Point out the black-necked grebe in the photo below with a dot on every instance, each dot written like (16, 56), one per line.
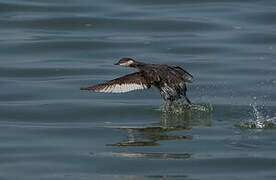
(170, 81)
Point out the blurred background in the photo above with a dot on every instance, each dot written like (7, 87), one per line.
(52, 130)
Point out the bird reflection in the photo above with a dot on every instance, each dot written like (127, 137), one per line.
(150, 136)
(169, 121)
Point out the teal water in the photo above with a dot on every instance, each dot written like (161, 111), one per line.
(52, 130)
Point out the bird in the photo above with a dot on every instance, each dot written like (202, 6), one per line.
(168, 80)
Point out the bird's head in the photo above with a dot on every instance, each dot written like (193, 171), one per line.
(128, 62)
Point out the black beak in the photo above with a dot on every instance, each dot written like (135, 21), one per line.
(117, 63)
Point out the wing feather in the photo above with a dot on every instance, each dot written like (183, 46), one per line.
(130, 82)
(185, 75)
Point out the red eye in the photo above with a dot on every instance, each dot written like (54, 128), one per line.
(120, 61)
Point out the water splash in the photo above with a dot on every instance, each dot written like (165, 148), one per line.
(259, 120)
(182, 116)
(181, 108)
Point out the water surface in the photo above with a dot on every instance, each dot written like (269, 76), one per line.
(52, 130)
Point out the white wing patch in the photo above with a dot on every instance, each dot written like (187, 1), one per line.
(121, 88)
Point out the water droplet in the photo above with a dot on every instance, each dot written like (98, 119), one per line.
(261, 58)
(237, 27)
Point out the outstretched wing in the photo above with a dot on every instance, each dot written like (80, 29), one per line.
(130, 82)
(185, 75)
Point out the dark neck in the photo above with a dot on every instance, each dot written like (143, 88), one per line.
(137, 64)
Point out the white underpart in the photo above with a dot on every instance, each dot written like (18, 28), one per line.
(126, 63)
(121, 88)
